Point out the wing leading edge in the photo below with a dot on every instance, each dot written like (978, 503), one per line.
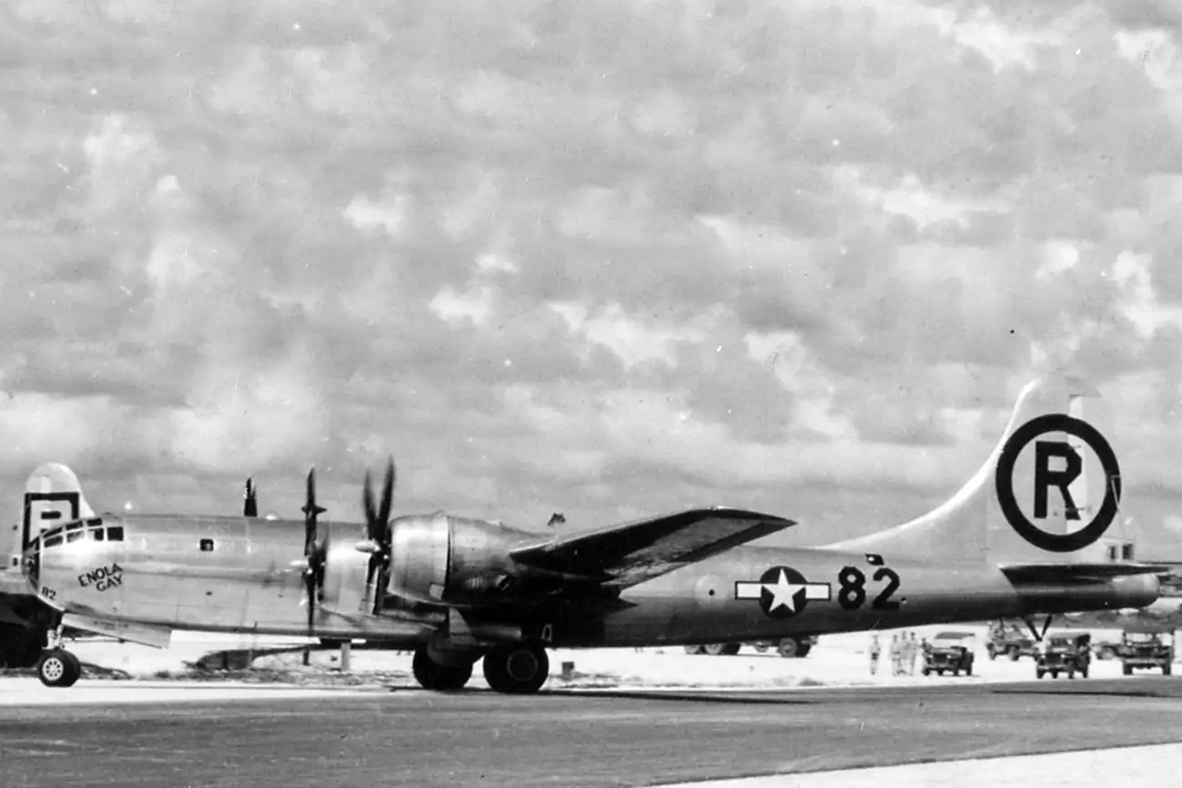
(623, 555)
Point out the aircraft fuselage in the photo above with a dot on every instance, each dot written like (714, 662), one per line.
(237, 574)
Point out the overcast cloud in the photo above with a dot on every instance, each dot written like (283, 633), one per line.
(608, 258)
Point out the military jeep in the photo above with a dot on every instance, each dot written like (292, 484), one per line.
(949, 651)
(1068, 654)
(1147, 650)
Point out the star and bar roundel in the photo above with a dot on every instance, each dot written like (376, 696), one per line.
(782, 592)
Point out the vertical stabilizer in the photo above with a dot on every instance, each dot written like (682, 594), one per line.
(52, 495)
(1048, 492)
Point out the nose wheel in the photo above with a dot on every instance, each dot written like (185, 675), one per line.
(517, 670)
(58, 668)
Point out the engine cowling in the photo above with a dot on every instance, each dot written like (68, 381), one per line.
(420, 553)
(454, 560)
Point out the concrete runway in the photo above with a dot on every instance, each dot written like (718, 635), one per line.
(568, 738)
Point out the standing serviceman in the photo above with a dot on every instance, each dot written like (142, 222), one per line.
(874, 651)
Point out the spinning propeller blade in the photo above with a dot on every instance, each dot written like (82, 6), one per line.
(377, 527)
(315, 552)
(250, 506)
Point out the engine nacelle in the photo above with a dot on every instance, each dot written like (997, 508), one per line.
(455, 560)
(420, 554)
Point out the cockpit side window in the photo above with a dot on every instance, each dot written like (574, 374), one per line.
(51, 540)
(115, 533)
(97, 534)
(74, 536)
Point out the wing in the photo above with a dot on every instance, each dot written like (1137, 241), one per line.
(1030, 574)
(623, 555)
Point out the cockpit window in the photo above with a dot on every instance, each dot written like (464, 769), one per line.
(74, 536)
(115, 533)
(97, 534)
(51, 540)
(74, 525)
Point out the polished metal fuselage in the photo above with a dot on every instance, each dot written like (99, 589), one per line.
(238, 574)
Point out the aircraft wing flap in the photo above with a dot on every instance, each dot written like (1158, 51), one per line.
(1030, 574)
(629, 553)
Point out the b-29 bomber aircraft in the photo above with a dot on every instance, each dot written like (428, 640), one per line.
(1020, 538)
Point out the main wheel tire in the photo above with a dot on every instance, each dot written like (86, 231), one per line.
(788, 647)
(1128, 670)
(442, 678)
(694, 650)
(58, 668)
(730, 649)
(715, 649)
(803, 650)
(517, 670)
(1014, 653)
(1166, 669)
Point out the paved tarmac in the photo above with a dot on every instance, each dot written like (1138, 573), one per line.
(417, 738)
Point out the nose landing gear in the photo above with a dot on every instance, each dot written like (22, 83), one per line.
(57, 667)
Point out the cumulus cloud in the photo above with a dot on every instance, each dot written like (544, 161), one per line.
(617, 256)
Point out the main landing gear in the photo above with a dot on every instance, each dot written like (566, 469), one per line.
(520, 669)
(517, 669)
(433, 675)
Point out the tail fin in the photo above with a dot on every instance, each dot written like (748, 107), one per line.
(52, 496)
(1048, 492)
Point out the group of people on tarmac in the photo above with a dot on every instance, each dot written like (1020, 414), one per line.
(903, 651)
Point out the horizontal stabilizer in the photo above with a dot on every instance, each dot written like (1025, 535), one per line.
(1066, 574)
(629, 553)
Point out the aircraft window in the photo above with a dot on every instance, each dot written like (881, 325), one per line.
(207, 545)
(115, 533)
(95, 521)
(1126, 552)
(51, 541)
(74, 526)
(74, 536)
(57, 529)
(97, 534)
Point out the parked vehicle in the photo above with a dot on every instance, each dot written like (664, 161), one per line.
(949, 651)
(1011, 642)
(1147, 650)
(796, 646)
(1064, 653)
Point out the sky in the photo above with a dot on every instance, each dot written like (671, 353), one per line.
(608, 259)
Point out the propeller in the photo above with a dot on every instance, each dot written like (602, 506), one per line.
(250, 507)
(378, 531)
(314, 553)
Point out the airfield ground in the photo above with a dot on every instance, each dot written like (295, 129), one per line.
(624, 718)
